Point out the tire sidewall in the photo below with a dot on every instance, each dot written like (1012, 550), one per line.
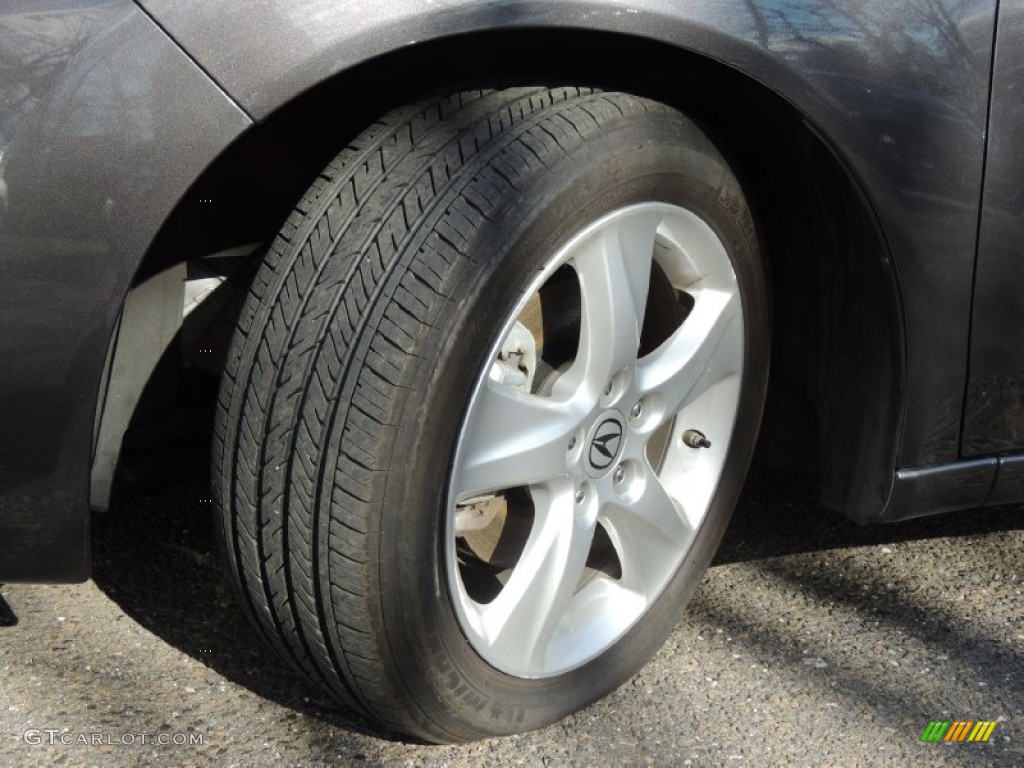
(437, 669)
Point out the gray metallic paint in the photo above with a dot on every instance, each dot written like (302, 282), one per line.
(899, 89)
(994, 411)
(104, 123)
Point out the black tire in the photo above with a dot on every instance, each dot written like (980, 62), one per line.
(361, 339)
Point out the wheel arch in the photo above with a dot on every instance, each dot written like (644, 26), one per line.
(839, 333)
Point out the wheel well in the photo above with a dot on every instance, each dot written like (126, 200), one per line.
(835, 401)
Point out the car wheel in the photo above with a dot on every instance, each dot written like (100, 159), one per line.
(489, 406)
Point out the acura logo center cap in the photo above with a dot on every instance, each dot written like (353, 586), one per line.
(604, 443)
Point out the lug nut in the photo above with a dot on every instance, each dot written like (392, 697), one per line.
(638, 409)
(608, 388)
(695, 439)
(581, 496)
(620, 475)
(572, 443)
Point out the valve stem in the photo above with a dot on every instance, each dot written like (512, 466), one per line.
(695, 439)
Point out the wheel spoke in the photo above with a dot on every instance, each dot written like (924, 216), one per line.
(512, 438)
(649, 535)
(614, 268)
(543, 612)
(521, 620)
(694, 357)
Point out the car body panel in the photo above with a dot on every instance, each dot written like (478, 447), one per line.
(105, 123)
(899, 89)
(994, 410)
(110, 110)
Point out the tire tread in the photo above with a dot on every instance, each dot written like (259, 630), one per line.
(325, 352)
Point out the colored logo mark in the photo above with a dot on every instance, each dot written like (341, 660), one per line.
(959, 730)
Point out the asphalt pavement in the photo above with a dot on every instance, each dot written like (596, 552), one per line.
(811, 642)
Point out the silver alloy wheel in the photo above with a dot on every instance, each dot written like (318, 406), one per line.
(631, 445)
